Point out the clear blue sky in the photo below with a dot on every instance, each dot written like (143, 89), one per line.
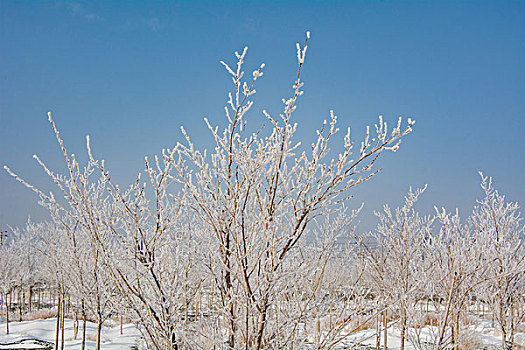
(130, 73)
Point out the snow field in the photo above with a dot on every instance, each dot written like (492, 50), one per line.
(45, 330)
(481, 336)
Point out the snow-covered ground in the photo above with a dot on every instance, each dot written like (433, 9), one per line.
(44, 330)
(482, 336)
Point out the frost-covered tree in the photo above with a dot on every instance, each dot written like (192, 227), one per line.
(500, 232)
(458, 271)
(54, 253)
(137, 244)
(27, 264)
(153, 252)
(258, 194)
(233, 229)
(8, 273)
(344, 301)
(401, 236)
(85, 275)
(375, 256)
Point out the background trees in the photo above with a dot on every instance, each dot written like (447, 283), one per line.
(398, 267)
(7, 274)
(500, 234)
(458, 270)
(430, 274)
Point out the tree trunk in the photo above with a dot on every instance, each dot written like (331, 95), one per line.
(58, 323)
(453, 335)
(30, 297)
(83, 326)
(385, 330)
(20, 304)
(83, 345)
(317, 329)
(6, 316)
(75, 326)
(262, 325)
(62, 316)
(403, 330)
(456, 345)
(99, 330)
(231, 310)
(378, 330)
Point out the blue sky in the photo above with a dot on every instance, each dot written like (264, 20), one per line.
(130, 73)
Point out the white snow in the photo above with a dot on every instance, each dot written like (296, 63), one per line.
(45, 330)
(482, 332)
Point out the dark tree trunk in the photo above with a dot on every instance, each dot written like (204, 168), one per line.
(83, 346)
(6, 316)
(20, 304)
(262, 324)
(99, 330)
(30, 297)
(62, 317)
(403, 329)
(58, 323)
(385, 330)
